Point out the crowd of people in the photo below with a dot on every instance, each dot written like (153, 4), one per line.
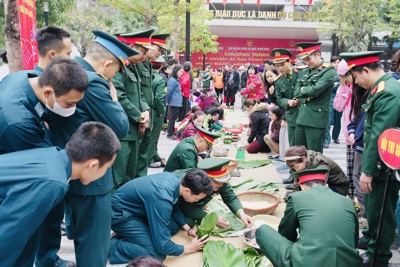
(65, 123)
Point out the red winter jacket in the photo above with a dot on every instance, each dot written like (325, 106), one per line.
(185, 84)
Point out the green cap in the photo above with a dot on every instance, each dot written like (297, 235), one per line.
(160, 40)
(311, 174)
(216, 168)
(280, 55)
(116, 47)
(160, 59)
(361, 58)
(137, 38)
(307, 48)
(207, 135)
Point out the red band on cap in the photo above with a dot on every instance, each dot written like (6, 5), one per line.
(205, 136)
(217, 174)
(158, 41)
(310, 49)
(362, 61)
(134, 40)
(281, 57)
(158, 64)
(310, 177)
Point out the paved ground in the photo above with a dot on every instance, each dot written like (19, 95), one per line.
(336, 152)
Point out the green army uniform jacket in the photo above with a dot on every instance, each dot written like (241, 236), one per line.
(184, 156)
(382, 110)
(285, 91)
(146, 78)
(131, 99)
(195, 210)
(313, 89)
(336, 177)
(158, 91)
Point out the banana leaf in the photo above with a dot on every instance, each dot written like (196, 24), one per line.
(215, 205)
(236, 183)
(234, 224)
(255, 259)
(207, 224)
(250, 164)
(221, 254)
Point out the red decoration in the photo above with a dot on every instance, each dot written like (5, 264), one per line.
(27, 24)
(309, 2)
(293, 2)
(389, 148)
(239, 51)
(258, 3)
(241, 2)
(224, 2)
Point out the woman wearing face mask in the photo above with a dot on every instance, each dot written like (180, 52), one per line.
(196, 120)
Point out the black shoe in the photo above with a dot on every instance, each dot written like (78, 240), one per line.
(336, 141)
(361, 244)
(172, 137)
(289, 187)
(367, 261)
(288, 180)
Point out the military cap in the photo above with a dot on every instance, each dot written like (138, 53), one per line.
(361, 58)
(116, 47)
(137, 38)
(307, 48)
(158, 62)
(311, 174)
(160, 40)
(207, 135)
(280, 55)
(216, 168)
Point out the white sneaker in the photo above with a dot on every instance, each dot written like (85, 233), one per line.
(362, 223)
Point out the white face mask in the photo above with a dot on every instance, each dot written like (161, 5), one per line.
(64, 112)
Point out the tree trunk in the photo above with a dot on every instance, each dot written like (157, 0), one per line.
(176, 27)
(12, 35)
(147, 16)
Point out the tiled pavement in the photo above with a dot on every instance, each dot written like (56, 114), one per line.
(337, 152)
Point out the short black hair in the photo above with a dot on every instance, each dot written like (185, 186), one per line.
(187, 66)
(269, 62)
(334, 58)
(64, 75)
(373, 66)
(50, 38)
(173, 61)
(211, 110)
(277, 111)
(175, 71)
(251, 66)
(198, 182)
(93, 140)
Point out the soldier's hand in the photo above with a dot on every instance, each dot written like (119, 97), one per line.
(113, 91)
(247, 220)
(365, 183)
(145, 115)
(222, 222)
(195, 245)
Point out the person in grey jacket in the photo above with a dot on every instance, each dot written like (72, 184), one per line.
(174, 99)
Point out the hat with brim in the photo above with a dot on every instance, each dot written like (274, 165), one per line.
(137, 38)
(158, 62)
(120, 50)
(160, 40)
(216, 168)
(280, 55)
(361, 58)
(311, 174)
(307, 49)
(207, 135)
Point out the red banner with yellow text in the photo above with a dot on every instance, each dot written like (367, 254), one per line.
(27, 24)
(239, 51)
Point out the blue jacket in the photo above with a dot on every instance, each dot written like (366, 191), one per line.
(174, 93)
(96, 105)
(154, 199)
(356, 127)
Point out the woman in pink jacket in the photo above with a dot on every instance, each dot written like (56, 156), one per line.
(255, 86)
(342, 103)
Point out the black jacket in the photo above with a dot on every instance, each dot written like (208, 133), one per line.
(259, 123)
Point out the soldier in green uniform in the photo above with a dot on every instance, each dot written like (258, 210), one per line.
(313, 90)
(284, 87)
(185, 155)
(382, 112)
(217, 170)
(90, 205)
(158, 87)
(158, 43)
(131, 98)
(328, 236)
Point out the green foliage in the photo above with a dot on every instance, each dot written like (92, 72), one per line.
(56, 10)
(353, 21)
(207, 224)
(221, 254)
(234, 224)
(2, 21)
